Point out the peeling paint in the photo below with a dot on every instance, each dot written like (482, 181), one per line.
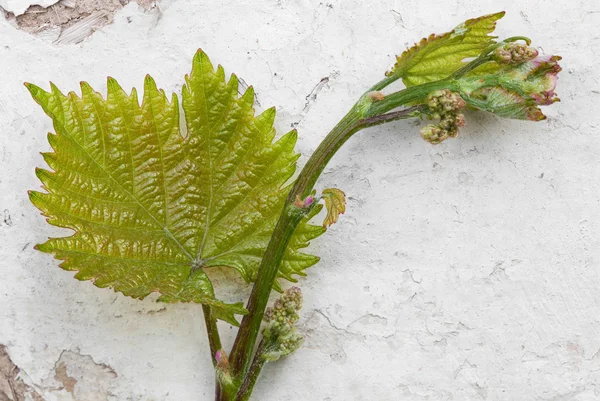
(72, 20)
(62, 376)
(75, 377)
(19, 7)
(82, 377)
(13, 383)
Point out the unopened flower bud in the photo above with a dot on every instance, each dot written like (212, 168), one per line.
(433, 134)
(304, 204)
(445, 101)
(514, 53)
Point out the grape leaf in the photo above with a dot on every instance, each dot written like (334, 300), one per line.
(152, 205)
(335, 202)
(438, 56)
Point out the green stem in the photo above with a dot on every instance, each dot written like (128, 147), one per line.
(355, 120)
(241, 352)
(214, 341)
(247, 386)
(383, 83)
(409, 95)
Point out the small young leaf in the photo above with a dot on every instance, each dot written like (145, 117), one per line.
(515, 91)
(152, 208)
(335, 202)
(438, 56)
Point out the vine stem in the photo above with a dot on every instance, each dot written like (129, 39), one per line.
(370, 110)
(356, 119)
(214, 341)
(283, 232)
(247, 386)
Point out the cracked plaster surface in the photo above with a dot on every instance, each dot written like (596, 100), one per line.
(71, 21)
(464, 271)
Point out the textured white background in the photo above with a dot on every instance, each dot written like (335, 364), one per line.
(464, 271)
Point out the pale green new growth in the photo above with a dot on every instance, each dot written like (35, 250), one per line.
(438, 56)
(152, 207)
(516, 91)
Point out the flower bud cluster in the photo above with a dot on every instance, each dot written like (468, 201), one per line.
(280, 335)
(514, 53)
(285, 344)
(445, 106)
(285, 309)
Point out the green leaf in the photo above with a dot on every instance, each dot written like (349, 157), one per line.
(438, 56)
(153, 207)
(335, 202)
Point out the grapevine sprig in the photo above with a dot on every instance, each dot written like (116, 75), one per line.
(153, 205)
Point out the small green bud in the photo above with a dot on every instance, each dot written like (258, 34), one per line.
(444, 101)
(514, 53)
(433, 134)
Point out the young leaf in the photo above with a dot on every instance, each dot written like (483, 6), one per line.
(335, 202)
(516, 91)
(151, 207)
(436, 57)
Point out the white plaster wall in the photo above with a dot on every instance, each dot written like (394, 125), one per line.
(464, 271)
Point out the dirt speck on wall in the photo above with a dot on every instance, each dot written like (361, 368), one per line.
(74, 19)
